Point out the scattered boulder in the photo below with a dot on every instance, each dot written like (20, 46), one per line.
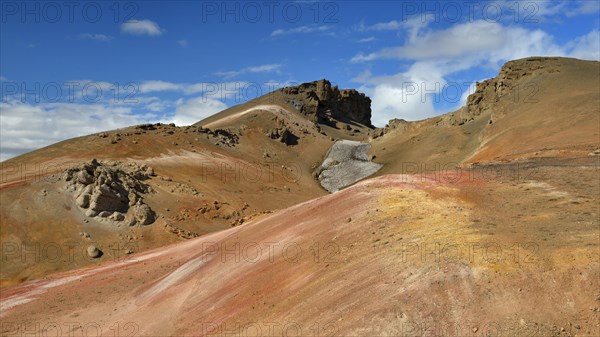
(284, 135)
(94, 252)
(117, 216)
(147, 127)
(182, 233)
(144, 215)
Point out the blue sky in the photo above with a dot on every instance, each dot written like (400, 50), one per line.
(74, 68)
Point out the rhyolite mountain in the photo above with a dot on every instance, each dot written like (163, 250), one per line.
(511, 177)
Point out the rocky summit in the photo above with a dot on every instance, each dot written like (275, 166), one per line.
(321, 102)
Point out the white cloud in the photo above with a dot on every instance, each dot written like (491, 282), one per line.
(381, 26)
(397, 102)
(183, 43)
(478, 37)
(412, 25)
(586, 47)
(154, 86)
(222, 90)
(195, 109)
(363, 77)
(584, 8)
(141, 27)
(403, 95)
(265, 68)
(302, 29)
(154, 104)
(95, 37)
(366, 39)
(542, 9)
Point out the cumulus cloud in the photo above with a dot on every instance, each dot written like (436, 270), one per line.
(183, 43)
(404, 95)
(141, 27)
(480, 38)
(586, 47)
(195, 109)
(154, 86)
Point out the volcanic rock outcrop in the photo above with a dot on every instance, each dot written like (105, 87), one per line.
(346, 163)
(489, 92)
(284, 135)
(322, 103)
(112, 191)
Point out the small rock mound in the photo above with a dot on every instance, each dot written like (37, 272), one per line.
(346, 163)
(111, 191)
(393, 124)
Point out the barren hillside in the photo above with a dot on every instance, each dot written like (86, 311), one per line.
(482, 221)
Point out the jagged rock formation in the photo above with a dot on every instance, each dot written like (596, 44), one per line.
(112, 191)
(322, 103)
(346, 163)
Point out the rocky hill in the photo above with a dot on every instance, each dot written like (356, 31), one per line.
(538, 107)
(490, 212)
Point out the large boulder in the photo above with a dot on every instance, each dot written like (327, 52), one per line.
(346, 163)
(144, 214)
(108, 191)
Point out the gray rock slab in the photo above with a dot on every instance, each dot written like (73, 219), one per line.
(346, 162)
